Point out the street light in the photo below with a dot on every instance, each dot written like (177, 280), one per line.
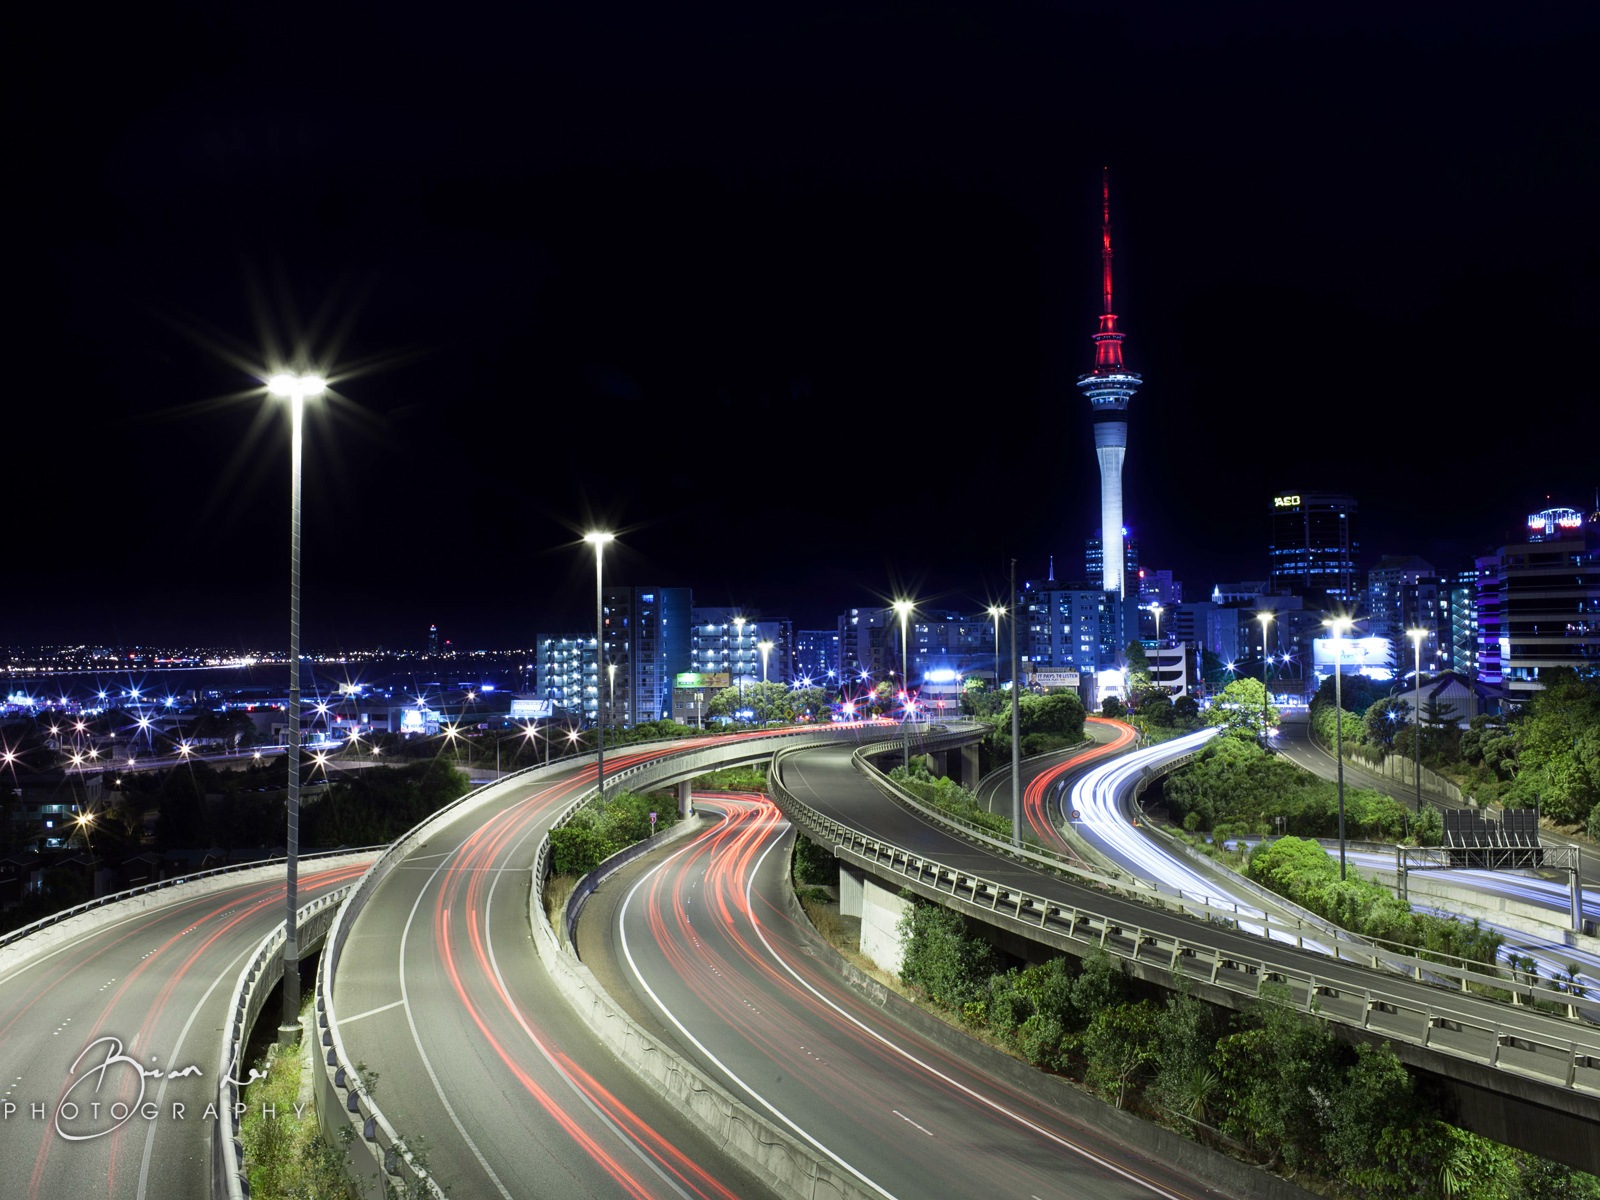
(1339, 625)
(1016, 723)
(526, 731)
(766, 649)
(598, 540)
(738, 645)
(1416, 636)
(1158, 610)
(904, 607)
(1266, 619)
(297, 389)
(996, 611)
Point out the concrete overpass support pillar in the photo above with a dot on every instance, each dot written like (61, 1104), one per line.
(851, 883)
(1577, 889)
(685, 801)
(938, 762)
(969, 765)
(881, 911)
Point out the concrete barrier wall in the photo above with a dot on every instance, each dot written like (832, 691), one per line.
(45, 937)
(777, 1157)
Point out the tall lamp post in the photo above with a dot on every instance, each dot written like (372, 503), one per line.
(527, 731)
(996, 611)
(598, 540)
(1339, 625)
(1416, 636)
(903, 608)
(1158, 610)
(1016, 722)
(296, 389)
(738, 646)
(766, 649)
(1266, 619)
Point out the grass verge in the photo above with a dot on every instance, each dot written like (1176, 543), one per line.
(285, 1155)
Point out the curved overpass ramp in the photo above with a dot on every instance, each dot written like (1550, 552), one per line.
(431, 985)
(141, 983)
(1523, 1077)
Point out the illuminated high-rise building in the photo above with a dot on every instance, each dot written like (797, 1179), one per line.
(1539, 602)
(1314, 546)
(1109, 388)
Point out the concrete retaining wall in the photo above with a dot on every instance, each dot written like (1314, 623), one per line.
(1549, 924)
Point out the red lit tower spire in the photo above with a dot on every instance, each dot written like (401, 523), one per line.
(1107, 342)
(1109, 388)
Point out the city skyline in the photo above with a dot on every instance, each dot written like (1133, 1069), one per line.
(791, 349)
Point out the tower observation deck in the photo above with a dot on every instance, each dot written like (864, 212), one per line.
(1109, 388)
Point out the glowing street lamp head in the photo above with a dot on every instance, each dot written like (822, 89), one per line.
(1265, 618)
(997, 611)
(903, 608)
(296, 387)
(599, 538)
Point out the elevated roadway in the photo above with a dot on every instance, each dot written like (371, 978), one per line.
(707, 946)
(1517, 1063)
(140, 985)
(433, 989)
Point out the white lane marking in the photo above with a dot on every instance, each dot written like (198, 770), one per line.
(229, 971)
(630, 1142)
(416, 1038)
(995, 1105)
(622, 929)
(371, 1012)
(910, 1122)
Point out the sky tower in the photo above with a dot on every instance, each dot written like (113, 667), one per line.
(1109, 387)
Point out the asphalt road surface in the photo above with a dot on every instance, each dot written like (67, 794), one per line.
(703, 940)
(440, 993)
(80, 1022)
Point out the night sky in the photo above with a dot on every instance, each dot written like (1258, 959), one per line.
(793, 297)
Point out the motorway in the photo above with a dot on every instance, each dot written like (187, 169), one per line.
(440, 994)
(1293, 741)
(1044, 778)
(146, 990)
(703, 944)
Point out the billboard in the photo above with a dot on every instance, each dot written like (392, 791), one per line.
(1357, 652)
(1056, 679)
(526, 709)
(699, 679)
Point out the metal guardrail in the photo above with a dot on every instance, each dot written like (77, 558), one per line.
(162, 885)
(389, 1151)
(250, 991)
(1143, 890)
(1305, 931)
(1542, 1049)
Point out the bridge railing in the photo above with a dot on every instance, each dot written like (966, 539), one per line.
(1304, 931)
(260, 974)
(1515, 1039)
(163, 885)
